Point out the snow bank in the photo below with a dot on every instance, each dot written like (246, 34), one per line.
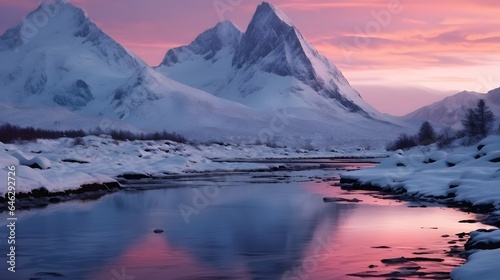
(484, 240)
(35, 162)
(66, 164)
(470, 174)
(480, 265)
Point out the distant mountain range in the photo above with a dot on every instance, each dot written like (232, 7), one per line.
(449, 111)
(267, 83)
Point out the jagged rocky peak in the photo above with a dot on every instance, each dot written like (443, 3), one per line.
(274, 44)
(224, 35)
(267, 32)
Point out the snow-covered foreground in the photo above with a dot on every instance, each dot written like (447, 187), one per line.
(67, 164)
(468, 174)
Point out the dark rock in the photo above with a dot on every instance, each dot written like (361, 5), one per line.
(54, 274)
(75, 161)
(37, 193)
(381, 247)
(420, 259)
(395, 260)
(415, 267)
(416, 259)
(495, 160)
(468, 221)
(35, 166)
(135, 176)
(486, 230)
(454, 251)
(340, 199)
(158, 231)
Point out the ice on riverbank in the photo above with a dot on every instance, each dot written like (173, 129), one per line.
(470, 174)
(67, 164)
(480, 265)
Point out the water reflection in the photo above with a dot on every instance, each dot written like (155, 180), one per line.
(264, 229)
(252, 231)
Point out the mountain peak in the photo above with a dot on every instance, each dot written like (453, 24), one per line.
(227, 32)
(265, 34)
(57, 13)
(226, 25)
(224, 35)
(271, 12)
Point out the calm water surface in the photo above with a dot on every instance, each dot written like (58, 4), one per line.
(243, 226)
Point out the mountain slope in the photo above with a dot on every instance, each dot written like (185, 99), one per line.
(271, 66)
(70, 65)
(75, 76)
(449, 111)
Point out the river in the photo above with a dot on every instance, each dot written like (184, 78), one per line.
(263, 225)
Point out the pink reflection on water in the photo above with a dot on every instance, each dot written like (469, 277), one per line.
(340, 246)
(152, 258)
(382, 223)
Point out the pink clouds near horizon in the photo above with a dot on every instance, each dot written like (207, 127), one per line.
(446, 45)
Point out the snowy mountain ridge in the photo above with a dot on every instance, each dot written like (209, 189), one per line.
(273, 65)
(78, 77)
(73, 65)
(449, 111)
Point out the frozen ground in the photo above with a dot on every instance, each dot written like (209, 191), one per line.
(67, 164)
(470, 175)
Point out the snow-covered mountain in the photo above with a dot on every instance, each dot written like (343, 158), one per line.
(449, 111)
(71, 67)
(270, 65)
(267, 84)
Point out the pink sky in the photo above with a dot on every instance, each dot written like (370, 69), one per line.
(445, 45)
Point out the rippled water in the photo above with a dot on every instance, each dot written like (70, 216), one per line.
(242, 226)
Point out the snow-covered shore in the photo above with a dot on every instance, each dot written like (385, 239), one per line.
(464, 176)
(67, 164)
